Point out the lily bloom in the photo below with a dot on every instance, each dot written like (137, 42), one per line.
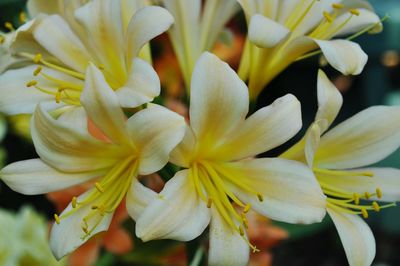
(281, 32)
(71, 155)
(218, 151)
(108, 33)
(336, 156)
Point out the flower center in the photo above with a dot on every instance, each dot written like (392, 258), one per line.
(104, 197)
(343, 199)
(213, 182)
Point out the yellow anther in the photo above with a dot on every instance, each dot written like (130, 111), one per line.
(101, 67)
(364, 213)
(369, 174)
(57, 218)
(246, 223)
(328, 17)
(37, 71)
(95, 207)
(209, 203)
(367, 195)
(73, 202)
(84, 229)
(9, 26)
(379, 192)
(337, 6)
(241, 230)
(355, 12)
(260, 197)
(247, 208)
(37, 58)
(31, 83)
(2, 39)
(376, 206)
(356, 198)
(22, 17)
(58, 96)
(99, 187)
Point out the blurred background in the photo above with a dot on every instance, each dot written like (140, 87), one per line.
(283, 244)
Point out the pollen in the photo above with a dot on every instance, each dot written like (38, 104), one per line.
(209, 203)
(99, 187)
(74, 202)
(376, 206)
(58, 96)
(260, 197)
(337, 6)
(37, 71)
(379, 193)
(2, 39)
(9, 26)
(356, 198)
(57, 218)
(364, 213)
(367, 195)
(247, 208)
(328, 17)
(241, 230)
(22, 17)
(31, 83)
(355, 12)
(101, 67)
(36, 59)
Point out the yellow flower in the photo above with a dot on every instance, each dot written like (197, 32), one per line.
(336, 157)
(280, 32)
(70, 155)
(218, 151)
(108, 33)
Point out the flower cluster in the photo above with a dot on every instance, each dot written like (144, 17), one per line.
(82, 70)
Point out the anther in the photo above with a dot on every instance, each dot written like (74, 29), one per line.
(379, 192)
(9, 26)
(260, 197)
(57, 218)
(101, 67)
(37, 58)
(99, 187)
(328, 16)
(245, 223)
(369, 174)
(37, 71)
(85, 230)
(364, 213)
(367, 195)
(73, 202)
(247, 208)
(337, 6)
(356, 198)
(31, 83)
(2, 39)
(58, 96)
(355, 12)
(95, 207)
(209, 203)
(376, 206)
(22, 17)
(241, 230)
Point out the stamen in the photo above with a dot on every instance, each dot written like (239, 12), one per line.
(379, 193)
(37, 71)
(376, 206)
(73, 202)
(356, 198)
(99, 187)
(2, 39)
(101, 67)
(209, 203)
(57, 218)
(364, 213)
(367, 195)
(22, 17)
(9, 26)
(337, 6)
(355, 12)
(31, 83)
(94, 207)
(328, 17)
(247, 208)
(260, 197)
(36, 59)
(241, 230)
(58, 96)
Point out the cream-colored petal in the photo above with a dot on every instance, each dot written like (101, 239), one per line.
(218, 101)
(75, 116)
(146, 24)
(68, 235)
(363, 139)
(366, 18)
(357, 238)
(176, 213)
(289, 189)
(155, 132)
(36, 7)
(138, 198)
(329, 100)
(345, 56)
(143, 85)
(384, 178)
(265, 32)
(31, 177)
(266, 129)
(102, 106)
(183, 153)
(68, 148)
(227, 247)
(55, 35)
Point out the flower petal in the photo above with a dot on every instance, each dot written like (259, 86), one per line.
(363, 139)
(54, 34)
(160, 220)
(36, 7)
(146, 24)
(155, 132)
(31, 177)
(138, 198)
(227, 247)
(143, 85)
(75, 116)
(102, 106)
(291, 192)
(265, 32)
(68, 148)
(345, 56)
(364, 19)
(267, 128)
(329, 100)
(182, 154)
(67, 236)
(357, 238)
(219, 99)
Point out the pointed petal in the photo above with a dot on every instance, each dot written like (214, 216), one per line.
(138, 198)
(102, 106)
(265, 32)
(54, 34)
(146, 24)
(329, 100)
(143, 85)
(357, 238)
(219, 99)
(291, 192)
(266, 129)
(227, 247)
(35, 7)
(67, 236)
(69, 148)
(366, 18)
(75, 116)
(31, 177)
(155, 131)
(160, 220)
(345, 56)
(363, 139)
(182, 154)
